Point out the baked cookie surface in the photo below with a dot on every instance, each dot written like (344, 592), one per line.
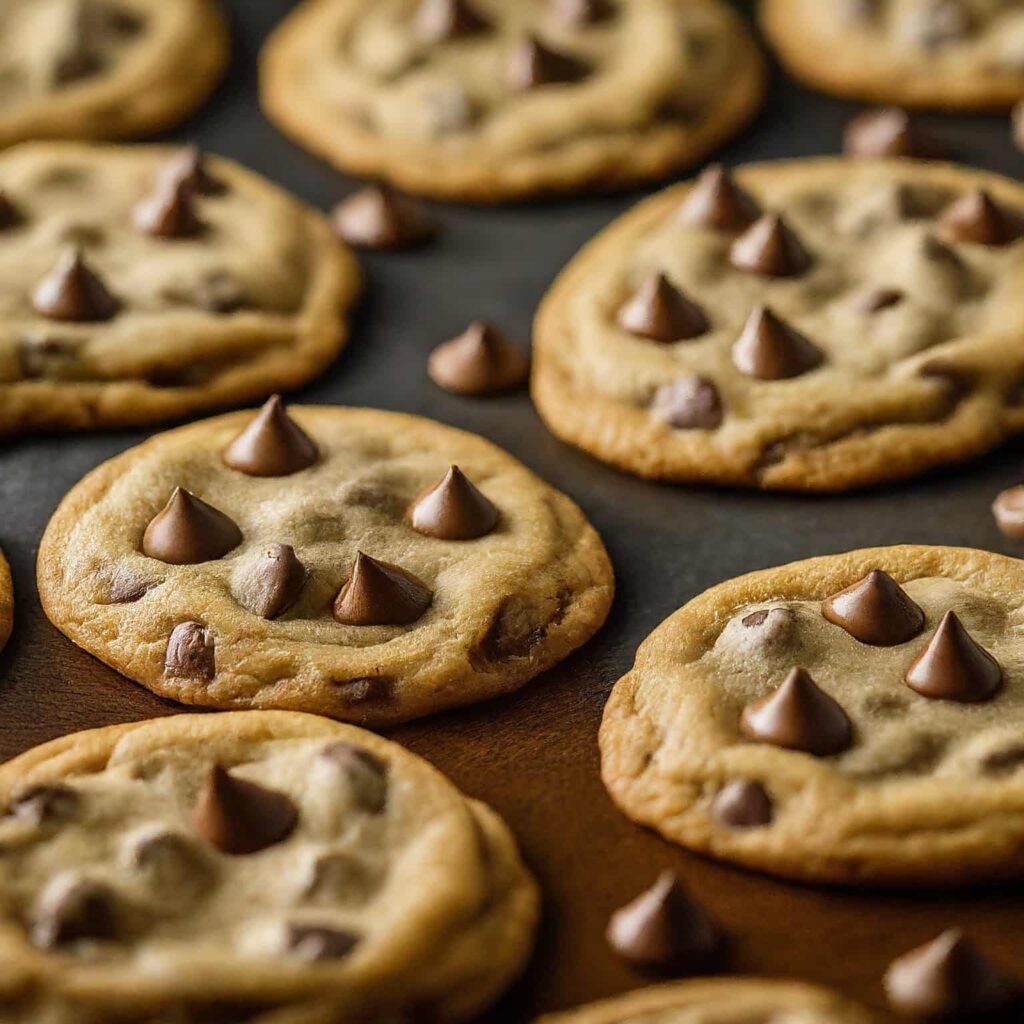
(252, 860)
(851, 719)
(811, 325)
(719, 1001)
(146, 283)
(373, 583)
(953, 54)
(103, 69)
(6, 601)
(483, 100)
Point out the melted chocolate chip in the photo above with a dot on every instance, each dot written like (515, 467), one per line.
(168, 213)
(661, 312)
(378, 218)
(742, 803)
(770, 248)
(716, 201)
(188, 531)
(316, 942)
(954, 666)
(531, 64)
(886, 133)
(1008, 509)
(366, 774)
(73, 292)
(976, 217)
(439, 20)
(340, 878)
(690, 403)
(274, 583)
(240, 817)
(876, 610)
(770, 349)
(453, 509)
(191, 652)
(273, 444)
(380, 594)
(480, 361)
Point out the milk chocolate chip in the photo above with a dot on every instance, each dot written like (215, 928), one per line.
(274, 583)
(168, 213)
(273, 444)
(378, 218)
(661, 312)
(977, 217)
(191, 652)
(453, 509)
(439, 20)
(480, 361)
(770, 349)
(690, 403)
(75, 910)
(886, 133)
(716, 201)
(239, 817)
(742, 803)
(188, 167)
(875, 611)
(770, 248)
(73, 292)
(188, 531)
(366, 774)
(380, 594)
(531, 63)
(954, 666)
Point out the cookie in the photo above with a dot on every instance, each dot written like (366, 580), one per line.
(811, 325)
(365, 565)
(105, 69)
(486, 101)
(148, 283)
(719, 1001)
(948, 54)
(849, 719)
(6, 601)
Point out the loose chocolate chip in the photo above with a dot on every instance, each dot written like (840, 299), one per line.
(366, 774)
(10, 216)
(240, 817)
(453, 509)
(314, 942)
(1008, 509)
(875, 300)
(770, 248)
(188, 531)
(380, 594)
(661, 312)
(663, 930)
(73, 292)
(378, 218)
(168, 213)
(770, 349)
(716, 201)
(191, 652)
(480, 361)
(876, 610)
(188, 167)
(44, 803)
(799, 715)
(74, 910)
(885, 133)
(578, 13)
(531, 63)
(742, 803)
(977, 217)
(273, 444)
(274, 583)
(440, 20)
(954, 666)
(948, 978)
(690, 403)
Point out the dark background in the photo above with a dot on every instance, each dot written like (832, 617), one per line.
(534, 756)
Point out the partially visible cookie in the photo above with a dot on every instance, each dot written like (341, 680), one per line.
(952, 54)
(6, 601)
(719, 1001)
(257, 860)
(145, 283)
(853, 719)
(366, 565)
(484, 100)
(812, 325)
(104, 69)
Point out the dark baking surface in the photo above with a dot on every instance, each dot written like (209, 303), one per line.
(534, 756)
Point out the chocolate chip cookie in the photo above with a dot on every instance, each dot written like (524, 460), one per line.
(483, 100)
(103, 69)
(719, 1001)
(851, 719)
(812, 325)
(6, 601)
(258, 859)
(953, 54)
(146, 283)
(366, 565)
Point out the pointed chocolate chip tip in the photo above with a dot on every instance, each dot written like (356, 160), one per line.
(380, 594)
(532, 63)
(375, 217)
(977, 218)
(453, 509)
(770, 248)
(659, 311)
(954, 666)
(168, 213)
(273, 444)
(716, 201)
(74, 292)
(742, 804)
(187, 531)
(770, 349)
(876, 610)
(240, 817)
(480, 361)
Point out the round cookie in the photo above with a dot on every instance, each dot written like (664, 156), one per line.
(948, 54)
(147, 283)
(719, 1001)
(851, 719)
(486, 101)
(810, 325)
(104, 69)
(6, 601)
(258, 859)
(338, 564)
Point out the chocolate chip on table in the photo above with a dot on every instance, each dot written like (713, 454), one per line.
(689, 403)
(436, 21)
(366, 774)
(876, 610)
(273, 444)
(241, 817)
(188, 531)
(1008, 510)
(274, 582)
(954, 666)
(73, 292)
(659, 311)
(453, 509)
(73, 910)
(531, 63)
(380, 594)
(976, 217)
(318, 942)
(716, 201)
(769, 349)
(742, 803)
(169, 212)
(799, 715)
(770, 248)
(191, 652)
(886, 132)
(376, 217)
(480, 361)
(664, 931)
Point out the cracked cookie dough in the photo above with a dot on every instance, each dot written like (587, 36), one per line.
(719, 1001)
(147, 283)
(952, 54)
(366, 565)
(851, 719)
(810, 325)
(6, 601)
(103, 69)
(253, 861)
(487, 101)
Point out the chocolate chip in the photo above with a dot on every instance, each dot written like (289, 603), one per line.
(531, 63)
(716, 201)
(799, 715)
(339, 878)
(73, 292)
(171, 864)
(875, 300)
(690, 403)
(886, 133)
(661, 312)
(380, 594)
(10, 215)
(40, 357)
(365, 774)
(976, 217)
(876, 610)
(125, 586)
(663, 930)
(480, 361)
(191, 652)
(954, 666)
(947, 977)
(378, 218)
(240, 817)
(439, 20)
(1008, 509)
(742, 803)
(770, 248)
(274, 582)
(188, 531)
(273, 444)
(188, 167)
(44, 803)
(453, 509)
(72, 910)
(770, 349)
(75, 63)
(315, 942)
(579, 13)
(168, 213)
